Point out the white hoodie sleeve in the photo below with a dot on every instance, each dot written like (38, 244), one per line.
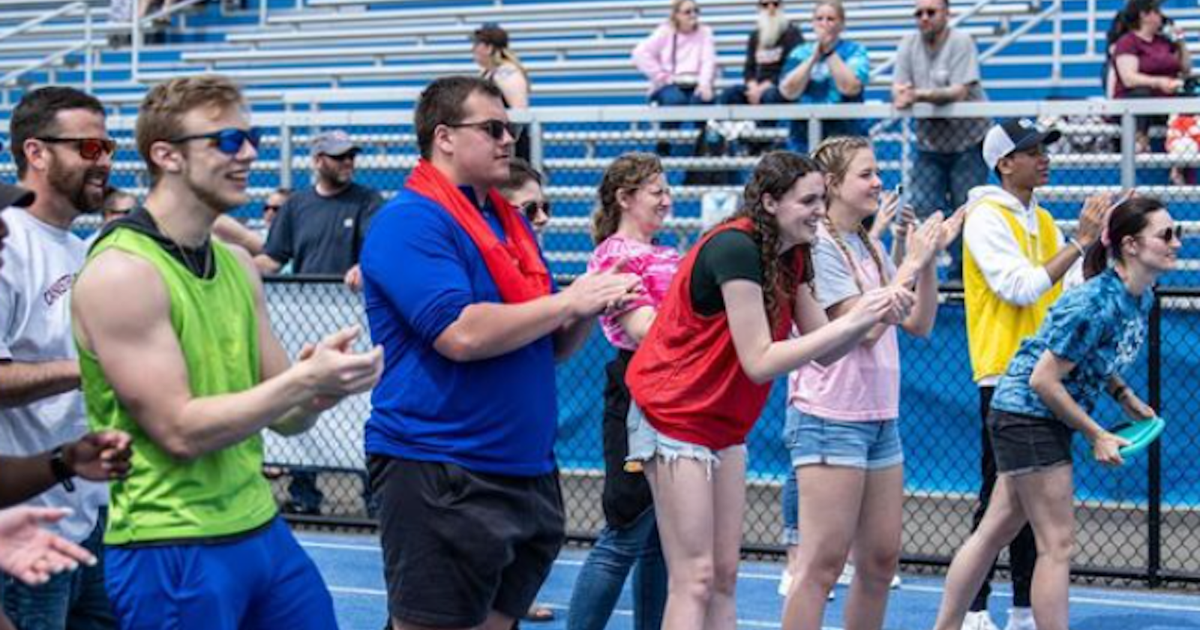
(1008, 273)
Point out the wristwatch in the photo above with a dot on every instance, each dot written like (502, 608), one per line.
(62, 472)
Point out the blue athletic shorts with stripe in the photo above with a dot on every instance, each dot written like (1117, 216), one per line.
(264, 580)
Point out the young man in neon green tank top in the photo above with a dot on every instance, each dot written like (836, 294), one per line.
(1014, 257)
(176, 349)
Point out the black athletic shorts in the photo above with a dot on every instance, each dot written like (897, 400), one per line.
(459, 544)
(1024, 444)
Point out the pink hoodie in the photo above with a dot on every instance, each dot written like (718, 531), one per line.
(696, 55)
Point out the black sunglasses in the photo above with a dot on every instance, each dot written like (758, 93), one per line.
(228, 141)
(531, 208)
(88, 148)
(349, 155)
(769, 3)
(920, 13)
(493, 128)
(271, 208)
(1173, 233)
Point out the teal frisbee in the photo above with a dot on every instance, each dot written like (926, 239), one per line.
(1140, 433)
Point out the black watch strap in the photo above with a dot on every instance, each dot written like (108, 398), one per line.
(62, 472)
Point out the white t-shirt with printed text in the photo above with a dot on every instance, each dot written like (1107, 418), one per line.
(40, 262)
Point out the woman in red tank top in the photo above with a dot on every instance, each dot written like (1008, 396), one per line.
(702, 374)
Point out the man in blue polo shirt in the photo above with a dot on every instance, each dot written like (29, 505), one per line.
(460, 441)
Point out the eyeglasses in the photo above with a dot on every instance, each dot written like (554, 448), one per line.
(229, 141)
(691, 11)
(767, 4)
(531, 208)
(88, 148)
(493, 128)
(920, 13)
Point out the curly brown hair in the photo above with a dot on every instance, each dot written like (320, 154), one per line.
(628, 172)
(775, 175)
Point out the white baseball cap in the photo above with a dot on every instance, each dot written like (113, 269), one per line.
(1015, 135)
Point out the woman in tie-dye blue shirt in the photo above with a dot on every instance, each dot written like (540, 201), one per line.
(1090, 336)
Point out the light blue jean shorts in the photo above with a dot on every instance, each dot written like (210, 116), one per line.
(645, 443)
(866, 445)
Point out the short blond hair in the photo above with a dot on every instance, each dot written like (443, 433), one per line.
(160, 116)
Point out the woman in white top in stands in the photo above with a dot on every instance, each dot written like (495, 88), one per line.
(500, 65)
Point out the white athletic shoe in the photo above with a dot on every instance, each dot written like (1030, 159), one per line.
(785, 584)
(978, 621)
(1020, 619)
(847, 577)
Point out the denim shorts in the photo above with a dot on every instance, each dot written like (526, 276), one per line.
(1026, 444)
(645, 442)
(863, 444)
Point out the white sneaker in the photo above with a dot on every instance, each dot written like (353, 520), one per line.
(847, 577)
(978, 621)
(785, 584)
(1020, 619)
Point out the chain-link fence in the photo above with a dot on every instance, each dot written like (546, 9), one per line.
(1136, 521)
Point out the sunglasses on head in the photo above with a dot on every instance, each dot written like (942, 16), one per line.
(493, 128)
(531, 208)
(88, 148)
(228, 141)
(920, 13)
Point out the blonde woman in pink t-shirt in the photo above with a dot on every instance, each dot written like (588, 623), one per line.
(841, 421)
(634, 202)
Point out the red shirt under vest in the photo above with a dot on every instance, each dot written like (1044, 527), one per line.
(686, 377)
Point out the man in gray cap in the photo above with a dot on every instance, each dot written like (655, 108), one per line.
(320, 230)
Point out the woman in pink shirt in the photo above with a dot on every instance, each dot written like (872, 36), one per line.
(841, 421)
(680, 59)
(634, 202)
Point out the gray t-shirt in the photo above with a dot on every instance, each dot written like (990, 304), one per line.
(834, 279)
(954, 63)
(322, 235)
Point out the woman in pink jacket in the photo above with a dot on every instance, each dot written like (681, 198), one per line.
(680, 59)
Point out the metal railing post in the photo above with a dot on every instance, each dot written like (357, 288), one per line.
(262, 12)
(1154, 463)
(87, 38)
(535, 131)
(1128, 150)
(135, 46)
(285, 147)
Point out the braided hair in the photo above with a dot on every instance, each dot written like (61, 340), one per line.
(834, 156)
(775, 175)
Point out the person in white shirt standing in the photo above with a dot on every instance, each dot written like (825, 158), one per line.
(64, 155)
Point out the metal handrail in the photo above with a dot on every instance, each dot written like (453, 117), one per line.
(10, 79)
(135, 32)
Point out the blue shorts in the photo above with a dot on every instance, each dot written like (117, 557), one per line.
(645, 442)
(866, 445)
(264, 580)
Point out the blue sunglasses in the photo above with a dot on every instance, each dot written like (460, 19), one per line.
(229, 141)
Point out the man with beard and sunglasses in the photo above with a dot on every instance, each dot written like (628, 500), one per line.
(768, 46)
(320, 231)
(460, 441)
(63, 154)
(176, 348)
